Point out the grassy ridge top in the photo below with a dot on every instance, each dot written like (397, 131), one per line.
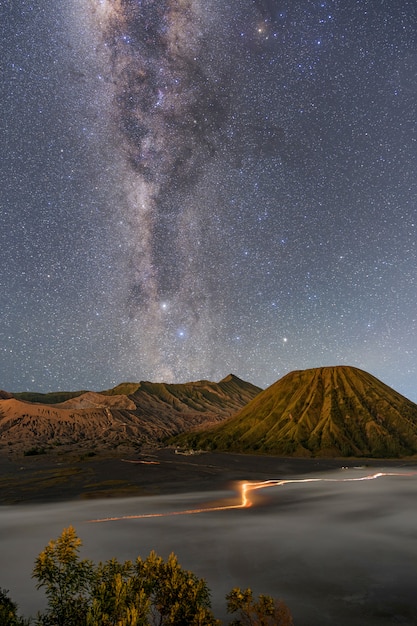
(55, 397)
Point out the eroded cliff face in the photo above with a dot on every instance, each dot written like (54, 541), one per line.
(110, 420)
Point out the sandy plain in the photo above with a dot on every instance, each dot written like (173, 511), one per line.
(71, 475)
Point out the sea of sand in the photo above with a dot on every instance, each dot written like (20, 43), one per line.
(71, 475)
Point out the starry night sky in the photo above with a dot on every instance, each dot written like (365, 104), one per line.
(199, 187)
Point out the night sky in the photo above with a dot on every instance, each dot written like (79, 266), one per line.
(200, 187)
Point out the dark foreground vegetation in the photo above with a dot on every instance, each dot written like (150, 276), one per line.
(146, 592)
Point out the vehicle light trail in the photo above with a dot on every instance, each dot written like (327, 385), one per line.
(245, 488)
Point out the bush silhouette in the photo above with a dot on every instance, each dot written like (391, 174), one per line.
(144, 592)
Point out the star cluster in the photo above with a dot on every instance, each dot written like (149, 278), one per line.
(191, 188)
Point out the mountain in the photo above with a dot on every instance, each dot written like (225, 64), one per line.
(131, 414)
(327, 412)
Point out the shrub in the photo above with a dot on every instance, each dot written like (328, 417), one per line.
(266, 611)
(34, 451)
(147, 592)
(8, 611)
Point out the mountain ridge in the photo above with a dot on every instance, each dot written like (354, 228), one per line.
(329, 411)
(130, 414)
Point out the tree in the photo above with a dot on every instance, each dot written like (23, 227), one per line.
(149, 591)
(265, 612)
(146, 592)
(177, 595)
(67, 580)
(116, 598)
(8, 611)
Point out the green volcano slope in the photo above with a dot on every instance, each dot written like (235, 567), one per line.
(326, 412)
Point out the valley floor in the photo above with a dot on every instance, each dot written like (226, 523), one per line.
(72, 476)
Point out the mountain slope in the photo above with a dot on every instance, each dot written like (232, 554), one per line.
(129, 414)
(328, 411)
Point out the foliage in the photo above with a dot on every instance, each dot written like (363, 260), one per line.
(149, 591)
(146, 592)
(266, 611)
(35, 451)
(66, 579)
(8, 611)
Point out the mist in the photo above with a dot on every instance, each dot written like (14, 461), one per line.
(336, 552)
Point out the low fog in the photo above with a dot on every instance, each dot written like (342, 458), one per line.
(336, 552)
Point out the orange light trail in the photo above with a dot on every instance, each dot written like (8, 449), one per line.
(245, 489)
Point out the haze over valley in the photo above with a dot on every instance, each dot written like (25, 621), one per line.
(336, 552)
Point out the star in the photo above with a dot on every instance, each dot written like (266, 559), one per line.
(188, 187)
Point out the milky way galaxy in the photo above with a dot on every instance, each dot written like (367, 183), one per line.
(196, 188)
(169, 114)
